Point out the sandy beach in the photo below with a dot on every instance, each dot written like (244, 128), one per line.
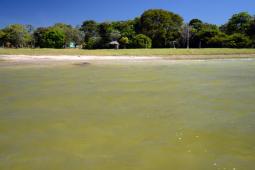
(63, 58)
(25, 58)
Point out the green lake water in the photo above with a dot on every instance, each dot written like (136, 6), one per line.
(188, 115)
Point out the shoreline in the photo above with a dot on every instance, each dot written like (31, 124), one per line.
(73, 58)
(20, 58)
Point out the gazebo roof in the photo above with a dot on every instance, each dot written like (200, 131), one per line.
(114, 43)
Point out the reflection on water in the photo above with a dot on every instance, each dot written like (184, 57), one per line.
(187, 115)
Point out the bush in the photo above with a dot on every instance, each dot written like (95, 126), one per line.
(238, 40)
(93, 43)
(54, 38)
(218, 41)
(124, 41)
(141, 41)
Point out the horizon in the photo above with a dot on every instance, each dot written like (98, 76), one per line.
(50, 12)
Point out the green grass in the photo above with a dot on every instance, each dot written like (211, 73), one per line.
(127, 52)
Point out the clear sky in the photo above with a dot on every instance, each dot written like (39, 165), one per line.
(48, 12)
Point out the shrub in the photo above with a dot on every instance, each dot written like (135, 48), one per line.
(93, 43)
(142, 41)
(54, 38)
(238, 40)
(124, 41)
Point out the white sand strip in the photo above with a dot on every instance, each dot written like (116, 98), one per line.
(74, 58)
(31, 58)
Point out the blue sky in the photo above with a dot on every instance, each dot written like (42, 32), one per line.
(48, 12)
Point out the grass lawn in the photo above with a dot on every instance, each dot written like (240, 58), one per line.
(127, 52)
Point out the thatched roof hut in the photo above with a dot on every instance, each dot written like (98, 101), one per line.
(116, 44)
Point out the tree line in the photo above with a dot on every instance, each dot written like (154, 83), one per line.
(155, 28)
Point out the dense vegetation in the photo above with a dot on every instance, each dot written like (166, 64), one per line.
(155, 28)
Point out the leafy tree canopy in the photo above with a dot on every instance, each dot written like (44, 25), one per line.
(54, 38)
(17, 35)
(155, 28)
(161, 26)
(238, 23)
(142, 41)
(90, 29)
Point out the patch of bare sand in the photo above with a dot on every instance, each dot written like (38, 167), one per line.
(89, 59)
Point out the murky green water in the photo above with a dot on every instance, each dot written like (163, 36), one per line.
(182, 116)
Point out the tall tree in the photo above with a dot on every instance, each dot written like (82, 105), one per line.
(54, 38)
(90, 29)
(186, 34)
(38, 36)
(17, 35)
(72, 35)
(105, 30)
(77, 36)
(126, 28)
(207, 32)
(161, 26)
(238, 23)
(196, 26)
(251, 31)
(2, 35)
